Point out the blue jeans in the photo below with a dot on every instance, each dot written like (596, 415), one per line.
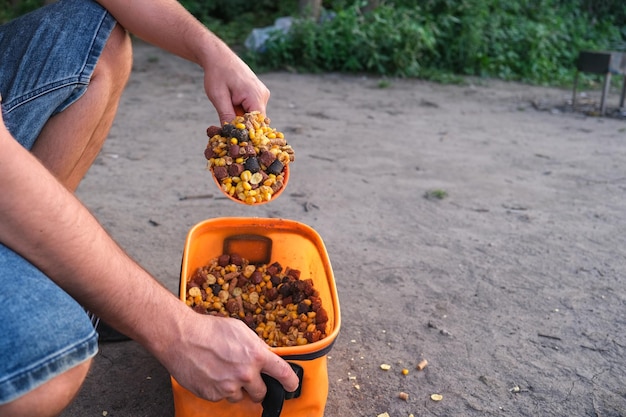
(47, 58)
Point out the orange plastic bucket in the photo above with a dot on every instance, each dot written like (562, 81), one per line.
(262, 240)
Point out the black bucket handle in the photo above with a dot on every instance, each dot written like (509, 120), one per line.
(276, 394)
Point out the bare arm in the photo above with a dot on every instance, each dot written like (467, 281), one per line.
(229, 83)
(46, 224)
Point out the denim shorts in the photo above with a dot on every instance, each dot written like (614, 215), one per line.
(47, 58)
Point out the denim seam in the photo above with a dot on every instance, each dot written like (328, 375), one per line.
(9, 383)
(8, 107)
(80, 79)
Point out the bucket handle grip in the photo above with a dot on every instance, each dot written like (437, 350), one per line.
(276, 394)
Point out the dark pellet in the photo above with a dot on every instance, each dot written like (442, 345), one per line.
(275, 167)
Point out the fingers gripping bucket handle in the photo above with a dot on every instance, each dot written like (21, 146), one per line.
(276, 394)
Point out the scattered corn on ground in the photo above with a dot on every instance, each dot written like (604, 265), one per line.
(273, 301)
(248, 158)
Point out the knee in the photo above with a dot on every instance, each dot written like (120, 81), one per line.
(50, 398)
(116, 60)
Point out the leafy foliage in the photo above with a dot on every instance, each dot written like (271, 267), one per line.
(234, 19)
(386, 41)
(11, 9)
(529, 40)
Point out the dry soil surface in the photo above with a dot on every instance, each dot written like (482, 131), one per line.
(479, 226)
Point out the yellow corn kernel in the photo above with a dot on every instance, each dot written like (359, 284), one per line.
(256, 178)
(254, 298)
(248, 270)
(234, 141)
(246, 185)
(280, 135)
(300, 341)
(246, 175)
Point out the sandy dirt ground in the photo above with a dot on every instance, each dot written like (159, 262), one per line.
(512, 285)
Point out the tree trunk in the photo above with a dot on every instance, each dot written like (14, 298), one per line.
(371, 5)
(310, 8)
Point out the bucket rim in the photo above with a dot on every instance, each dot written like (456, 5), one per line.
(304, 352)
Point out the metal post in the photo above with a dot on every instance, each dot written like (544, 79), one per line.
(574, 93)
(621, 98)
(605, 91)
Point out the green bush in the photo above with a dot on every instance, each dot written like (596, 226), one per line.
(529, 40)
(388, 41)
(233, 20)
(12, 9)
